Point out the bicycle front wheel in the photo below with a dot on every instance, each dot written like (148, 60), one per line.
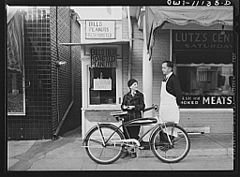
(100, 152)
(166, 152)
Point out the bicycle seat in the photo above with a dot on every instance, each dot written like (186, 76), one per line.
(119, 115)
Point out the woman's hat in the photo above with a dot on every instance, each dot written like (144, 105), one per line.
(131, 82)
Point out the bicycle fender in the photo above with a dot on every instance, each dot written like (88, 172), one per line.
(86, 135)
(160, 127)
(155, 129)
(101, 125)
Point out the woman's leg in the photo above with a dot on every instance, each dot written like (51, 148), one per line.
(134, 131)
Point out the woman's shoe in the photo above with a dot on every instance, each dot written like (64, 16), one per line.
(133, 155)
(124, 154)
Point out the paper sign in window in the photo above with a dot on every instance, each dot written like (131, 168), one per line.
(102, 84)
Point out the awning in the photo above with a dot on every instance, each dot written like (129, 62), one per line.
(204, 16)
(156, 16)
(95, 42)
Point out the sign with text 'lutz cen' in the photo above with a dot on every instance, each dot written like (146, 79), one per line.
(206, 39)
(103, 57)
(100, 29)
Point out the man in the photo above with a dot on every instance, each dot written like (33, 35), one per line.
(170, 96)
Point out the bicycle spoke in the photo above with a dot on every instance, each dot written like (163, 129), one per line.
(100, 152)
(170, 152)
(96, 141)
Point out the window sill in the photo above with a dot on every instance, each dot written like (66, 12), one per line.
(206, 110)
(102, 107)
(16, 114)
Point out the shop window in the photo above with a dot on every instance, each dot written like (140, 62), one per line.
(102, 86)
(206, 79)
(204, 67)
(15, 92)
(103, 73)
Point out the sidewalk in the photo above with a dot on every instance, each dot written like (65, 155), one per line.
(66, 153)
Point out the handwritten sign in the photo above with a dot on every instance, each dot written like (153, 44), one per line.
(207, 39)
(102, 84)
(100, 30)
(104, 57)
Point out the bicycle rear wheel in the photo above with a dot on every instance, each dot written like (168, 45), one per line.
(166, 152)
(97, 151)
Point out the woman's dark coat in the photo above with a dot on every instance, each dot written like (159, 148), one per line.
(138, 101)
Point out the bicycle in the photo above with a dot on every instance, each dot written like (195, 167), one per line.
(104, 143)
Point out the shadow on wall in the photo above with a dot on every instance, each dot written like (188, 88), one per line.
(72, 121)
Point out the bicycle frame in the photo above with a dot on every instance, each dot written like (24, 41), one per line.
(129, 123)
(126, 124)
(168, 141)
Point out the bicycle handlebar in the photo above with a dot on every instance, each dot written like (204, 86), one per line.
(152, 107)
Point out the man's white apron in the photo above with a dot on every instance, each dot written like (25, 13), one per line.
(168, 112)
(168, 108)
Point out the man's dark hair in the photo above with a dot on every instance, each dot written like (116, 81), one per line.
(169, 63)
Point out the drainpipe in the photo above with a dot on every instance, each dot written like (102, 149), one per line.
(130, 32)
(55, 135)
(57, 90)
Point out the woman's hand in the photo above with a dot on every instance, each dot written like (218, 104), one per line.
(131, 107)
(128, 107)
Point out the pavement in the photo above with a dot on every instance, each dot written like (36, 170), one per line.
(208, 152)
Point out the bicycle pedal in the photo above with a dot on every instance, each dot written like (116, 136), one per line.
(141, 147)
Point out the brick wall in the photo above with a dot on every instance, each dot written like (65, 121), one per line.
(61, 77)
(35, 125)
(40, 121)
(73, 119)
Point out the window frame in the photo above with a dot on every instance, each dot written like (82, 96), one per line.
(118, 89)
(24, 96)
(173, 59)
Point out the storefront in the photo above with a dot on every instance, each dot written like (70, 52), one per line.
(200, 43)
(104, 56)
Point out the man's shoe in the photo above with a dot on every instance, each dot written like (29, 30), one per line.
(144, 145)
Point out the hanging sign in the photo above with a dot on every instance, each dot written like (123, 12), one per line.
(102, 84)
(206, 39)
(100, 29)
(103, 57)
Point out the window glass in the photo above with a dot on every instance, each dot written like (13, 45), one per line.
(102, 86)
(206, 79)
(15, 92)
(204, 67)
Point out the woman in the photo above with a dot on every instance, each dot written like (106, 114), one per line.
(133, 103)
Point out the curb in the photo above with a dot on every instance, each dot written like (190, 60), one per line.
(196, 152)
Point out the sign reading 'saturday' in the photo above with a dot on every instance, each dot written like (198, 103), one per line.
(209, 101)
(207, 39)
(100, 29)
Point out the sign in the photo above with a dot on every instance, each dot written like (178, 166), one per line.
(100, 29)
(104, 57)
(206, 39)
(208, 101)
(102, 84)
